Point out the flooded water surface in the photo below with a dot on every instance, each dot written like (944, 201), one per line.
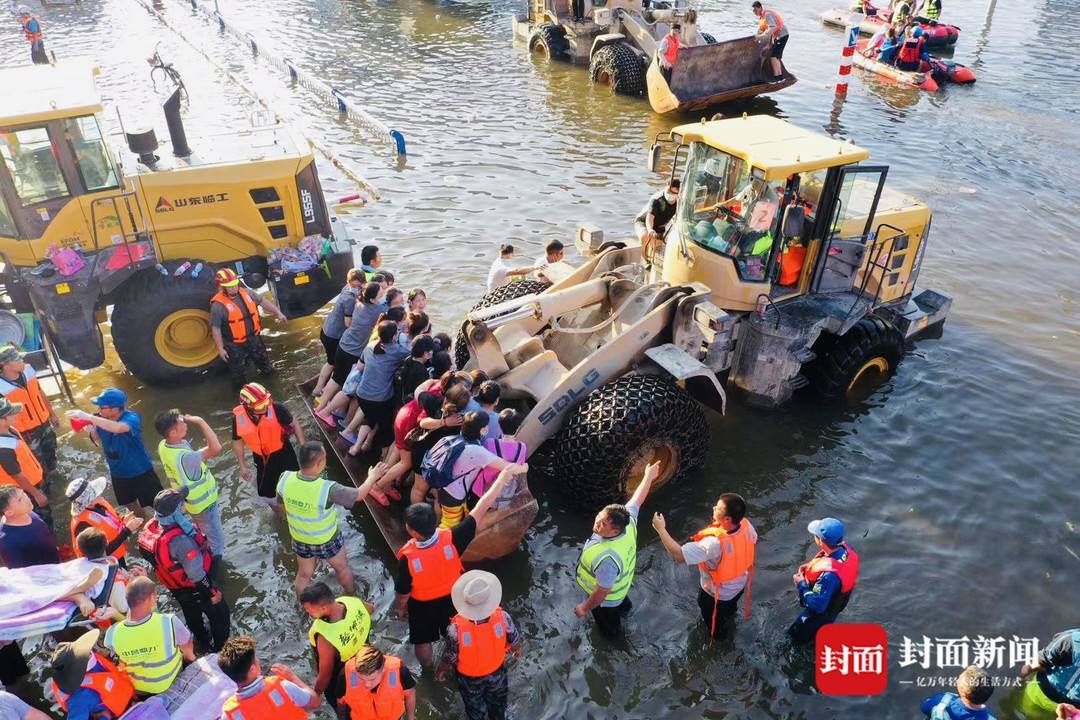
(957, 480)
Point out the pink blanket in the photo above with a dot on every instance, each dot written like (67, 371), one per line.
(28, 596)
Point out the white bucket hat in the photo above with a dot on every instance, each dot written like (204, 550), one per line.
(476, 594)
(81, 492)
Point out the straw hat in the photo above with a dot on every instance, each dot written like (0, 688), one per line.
(476, 594)
(70, 660)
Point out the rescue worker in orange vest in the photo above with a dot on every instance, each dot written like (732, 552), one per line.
(430, 563)
(280, 695)
(32, 28)
(87, 684)
(477, 642)
(183, 559)
(18, 465)
(341, 628)
(89, 509)
(724, 553)
(912, 50)
(771, 27)
(378, 687)
(37, 422)
(824, 584)
(667, 52)
(235, 325)
(266, 428)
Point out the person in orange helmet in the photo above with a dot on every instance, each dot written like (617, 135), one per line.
(267, 428)
(235, 325)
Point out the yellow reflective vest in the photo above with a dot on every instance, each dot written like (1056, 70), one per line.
(349, 633)
(148, 652)
(305, 499)
(203, 493)
(623, 550)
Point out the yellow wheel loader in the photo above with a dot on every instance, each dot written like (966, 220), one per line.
(789, 264)
(79, 233)
(618, 40)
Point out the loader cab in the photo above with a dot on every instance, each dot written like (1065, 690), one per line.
(52, 154)
(769, 209)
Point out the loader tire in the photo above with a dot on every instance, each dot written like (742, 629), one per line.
(161, 325)
(618, 67)
(709, 39)
(868, 352)
(510, 291)
(548, 41)
(600, 453)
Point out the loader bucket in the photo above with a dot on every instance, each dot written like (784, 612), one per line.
(707, 75)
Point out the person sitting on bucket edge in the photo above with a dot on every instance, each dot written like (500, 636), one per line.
(86, 684)
(973, 689)
(430, 563)
(152, 646)
(281, 695)
(378, 687)
(667, 52)
(341, 628)
(724, 554)
(1057, 674)
(824, 583)
(477, 642)
(235, 325)
(605, 570)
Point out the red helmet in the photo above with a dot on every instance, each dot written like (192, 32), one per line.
(255, 396)
(226, 277)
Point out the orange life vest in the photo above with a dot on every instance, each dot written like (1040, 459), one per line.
(154, 542)
(847, 570)
(111, 684)
(101, 515)
(235, 316)
(36, 411)
(28, 463)
(672, 52)
(265, 436)
(386, 703)
(33, 37)
(791, 264)
(481, 646)
(434, 569)
(763, 24)
(271, 702)
(910, 51)
(736, 560)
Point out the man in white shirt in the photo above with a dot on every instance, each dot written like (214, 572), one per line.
(724, 554)
(503, 269)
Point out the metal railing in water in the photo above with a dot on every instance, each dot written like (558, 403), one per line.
(345, 105)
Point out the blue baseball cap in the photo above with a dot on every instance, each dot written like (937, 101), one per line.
(829, 530)
(112, 398)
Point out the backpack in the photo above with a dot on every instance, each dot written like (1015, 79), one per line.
(437, 467)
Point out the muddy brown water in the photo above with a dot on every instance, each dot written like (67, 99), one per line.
(958, 479)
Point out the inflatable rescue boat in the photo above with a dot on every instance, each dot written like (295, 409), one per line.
(935, 34)
(930, 76)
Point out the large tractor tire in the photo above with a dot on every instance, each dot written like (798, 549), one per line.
(600, 454)
(618, 67)
(161, 325)
(548, 41)
(858, 360)
(510, 291)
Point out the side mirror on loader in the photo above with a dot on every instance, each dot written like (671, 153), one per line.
(654, 158)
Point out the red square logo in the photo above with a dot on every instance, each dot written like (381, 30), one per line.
(851, 659)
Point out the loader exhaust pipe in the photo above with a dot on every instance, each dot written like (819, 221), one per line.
(176, 126)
